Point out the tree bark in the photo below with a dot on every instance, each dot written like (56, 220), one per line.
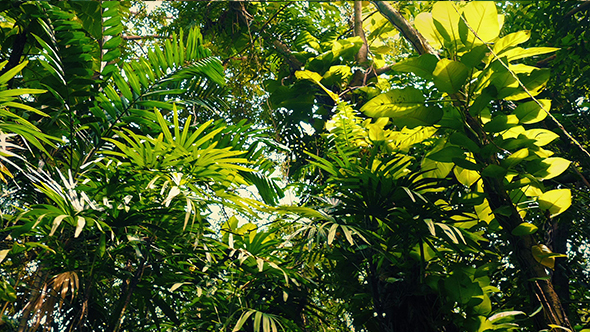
(411, 34)
(361, 56)
(541, 289)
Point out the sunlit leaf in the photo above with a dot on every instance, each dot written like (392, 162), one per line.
(555, 201)
(449, 75)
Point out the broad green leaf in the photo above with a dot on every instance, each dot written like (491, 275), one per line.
(515, 158)
(510, 40)
(534, 82)
(447, 154)
(548, 168)
(404, 139)
(449, 75)
(425, 25)
(482, 17)
(542, 137)
(494, 171)
(466, 177)
(484, 211)
(446, 20)
(393, 101)
(316, 78)
(524, 229)
(475, 56)
(556, 201)
(544, 255)
(500, 123)
(423, 116)
(531, 112)
(485, 307)
(460, 288)
(519, 52)
(422, 66)
(482, 101)
(436, 169)
(376, 132)
(461, 139)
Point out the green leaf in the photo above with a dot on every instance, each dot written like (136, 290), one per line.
(511, 40)
(112, 43)
(394, 102)
(556, 201)
(474, 57)
(316, 78)
(482, 101)
(544, 255)
(436, 169)
(524, 229)
(519, 52)
(422, 66)
(446, 20)
(449, 75)
(447, 154)
(542, 137)
(494, 171)
(9, 74)
(482, 17)
(500, 123)
(461, 139)
(534, 82)
(465, 176)
(531, 112)
(515, 158)
(548, 168)
(425, 25)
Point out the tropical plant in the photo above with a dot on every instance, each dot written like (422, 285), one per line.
(418, 138)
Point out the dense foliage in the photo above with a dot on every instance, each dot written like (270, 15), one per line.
(295, 166)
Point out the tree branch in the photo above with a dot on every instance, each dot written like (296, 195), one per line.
(361, 56)
(286, 53)
(411, 34)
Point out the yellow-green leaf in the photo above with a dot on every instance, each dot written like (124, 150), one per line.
(515, 158)
(511, 40)
(544, 255)
(548, 168)
(316, 78)
(531, 112)
(445, 14)
(524, 229)
(449, 75)
(556, 201)
(465, 176)
(482, 17)
(425, 25)
(542, 136)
